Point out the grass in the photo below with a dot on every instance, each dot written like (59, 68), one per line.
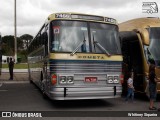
(16, 66)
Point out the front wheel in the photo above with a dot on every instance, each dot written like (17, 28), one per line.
(43, 91)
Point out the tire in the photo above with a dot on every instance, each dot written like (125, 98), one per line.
(43, 91)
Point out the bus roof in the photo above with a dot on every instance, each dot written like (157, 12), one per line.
(139, 23)
(81, 16)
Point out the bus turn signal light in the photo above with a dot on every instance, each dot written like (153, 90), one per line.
(121, 79)
(54, 79)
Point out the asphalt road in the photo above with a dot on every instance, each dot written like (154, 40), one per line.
(27, 97)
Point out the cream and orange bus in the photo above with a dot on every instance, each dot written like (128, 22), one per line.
(140, 42)
(77, 56)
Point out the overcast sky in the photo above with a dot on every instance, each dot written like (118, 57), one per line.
(31, 14)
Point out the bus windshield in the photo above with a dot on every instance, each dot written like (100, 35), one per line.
(154, 46)
(68, 35)
(107, 36)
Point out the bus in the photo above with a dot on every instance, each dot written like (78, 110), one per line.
(76, 56)
(140, 44)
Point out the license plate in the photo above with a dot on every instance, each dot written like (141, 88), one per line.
(90, 79)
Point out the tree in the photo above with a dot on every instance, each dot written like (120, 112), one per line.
(8, 45)
(27, 38)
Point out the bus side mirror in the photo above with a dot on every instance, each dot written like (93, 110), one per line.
(145, 36)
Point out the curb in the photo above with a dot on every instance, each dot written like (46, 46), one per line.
(5, 70)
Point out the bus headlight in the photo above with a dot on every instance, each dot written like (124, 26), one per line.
(66, 80)
(62, 80)
(70, 79)
(116, 80)
(110, 79)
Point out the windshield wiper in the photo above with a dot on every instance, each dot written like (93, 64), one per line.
(77, 48)
(102, 48)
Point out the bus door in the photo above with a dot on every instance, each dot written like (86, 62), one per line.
(132, 58)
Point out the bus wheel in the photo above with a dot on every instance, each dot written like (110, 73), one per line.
(43, 92)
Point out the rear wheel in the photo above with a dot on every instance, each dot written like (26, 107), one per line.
(43, 86)
(43, 91)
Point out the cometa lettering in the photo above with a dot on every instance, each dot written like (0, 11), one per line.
(91, 57)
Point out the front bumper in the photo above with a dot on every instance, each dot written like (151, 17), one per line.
(70, 93)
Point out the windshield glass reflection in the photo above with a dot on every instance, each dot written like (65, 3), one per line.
(153, 50)
(80, 37)
(107, 36)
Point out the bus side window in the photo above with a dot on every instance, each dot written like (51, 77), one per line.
(36, 43)
(37, 40)
(41, 40)
(45, 42)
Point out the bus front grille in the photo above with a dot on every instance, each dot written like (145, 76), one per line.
(87, 67)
